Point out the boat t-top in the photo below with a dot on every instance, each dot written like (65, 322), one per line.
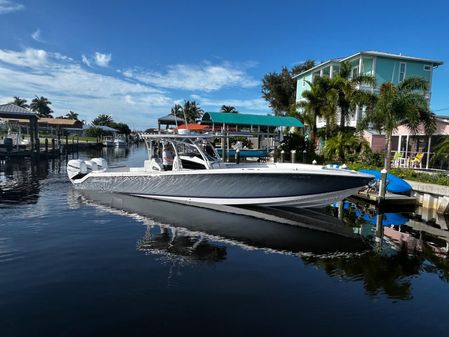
(188, 169)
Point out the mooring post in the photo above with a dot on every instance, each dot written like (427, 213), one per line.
(66, 144)
(237, 156)
(340, 209)
(282, 156)
(46, 146)
(293, 155)
(379, 229)
(383, 186)
(304, 156)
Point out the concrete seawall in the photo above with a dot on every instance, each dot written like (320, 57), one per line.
(431, 196)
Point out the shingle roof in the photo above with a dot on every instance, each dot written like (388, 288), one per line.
(249, 119)
(12, 109)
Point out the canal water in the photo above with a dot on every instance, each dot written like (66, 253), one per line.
(75, 264)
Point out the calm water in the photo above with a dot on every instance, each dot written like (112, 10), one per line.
(73, 264)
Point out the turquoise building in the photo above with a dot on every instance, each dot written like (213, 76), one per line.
(384, 67)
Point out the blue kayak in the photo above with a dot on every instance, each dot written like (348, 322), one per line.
(394, 183)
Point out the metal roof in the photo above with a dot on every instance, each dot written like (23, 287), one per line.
(15, 110)
(170, 119)
(434, 63)
(249, 119)
(104, 128)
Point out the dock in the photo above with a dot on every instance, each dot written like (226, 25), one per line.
(390, 199)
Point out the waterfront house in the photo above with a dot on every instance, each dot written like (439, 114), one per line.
(385, 67)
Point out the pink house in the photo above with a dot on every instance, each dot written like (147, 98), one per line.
(409, 143)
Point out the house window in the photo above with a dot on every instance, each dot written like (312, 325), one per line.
(303, 81)
(402, 69)
(427, 67)
(355, 72)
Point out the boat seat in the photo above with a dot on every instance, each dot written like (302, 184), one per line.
(177, 165)
(154, 164)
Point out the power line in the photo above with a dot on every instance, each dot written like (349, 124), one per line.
(441, 109)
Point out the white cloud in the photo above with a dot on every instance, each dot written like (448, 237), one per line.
(7, 6)
(86, 60)
(71, 87)
(102, 60)
(255, 105)
(27, 58)
(36, 35)
(206, 77)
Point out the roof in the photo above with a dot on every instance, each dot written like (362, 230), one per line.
(194, 127)
(396, 56)
(15, 110)
(104, 128)
(249, 119)
(335, 60)
(60, 122)
(170, 119)
(374, 53)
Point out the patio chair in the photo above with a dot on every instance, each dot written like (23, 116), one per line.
(396, 159)
(417, 160)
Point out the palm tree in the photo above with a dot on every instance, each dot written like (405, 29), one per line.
(343, 146)
(349, 96)
(442, 150)
(319, 102)
(72, 115)
(402, 104)
(177, 111)
(103, 119)
(20, 102)
(228, 109)
(41, 106)
(192, 111)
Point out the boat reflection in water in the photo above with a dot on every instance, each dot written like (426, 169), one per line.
(279, 229)
(353, 249)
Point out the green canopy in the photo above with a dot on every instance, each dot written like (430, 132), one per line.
(249, 119)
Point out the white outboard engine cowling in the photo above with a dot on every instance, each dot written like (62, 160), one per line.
(76, 168)
(102, 164)
(91, 165)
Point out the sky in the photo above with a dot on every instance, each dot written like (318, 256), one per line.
(135, 59)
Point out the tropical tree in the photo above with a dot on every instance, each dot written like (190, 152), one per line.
(122, 128)
(103, 119)
(228, 109)
(279, 89)
(319, 101)
(72, 115)
(41, 106)
(345, 146)
(177, 111)
(402, 104)
(349, 96)
(22, 102)
(442, 150)
(190, 111)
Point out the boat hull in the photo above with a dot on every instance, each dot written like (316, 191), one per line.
(237, 188)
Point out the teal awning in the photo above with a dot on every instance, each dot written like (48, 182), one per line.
(249, 119)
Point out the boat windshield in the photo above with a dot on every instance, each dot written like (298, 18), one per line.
(200, 151)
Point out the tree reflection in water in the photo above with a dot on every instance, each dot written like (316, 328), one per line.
(171, 242)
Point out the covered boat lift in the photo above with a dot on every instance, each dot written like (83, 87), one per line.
(169, 120)
(12, 111)
(248, 125)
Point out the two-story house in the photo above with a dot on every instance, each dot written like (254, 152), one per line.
(384, 67)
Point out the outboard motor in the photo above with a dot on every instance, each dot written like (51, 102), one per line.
(91, 166)
(102, 164)
(76, 168)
